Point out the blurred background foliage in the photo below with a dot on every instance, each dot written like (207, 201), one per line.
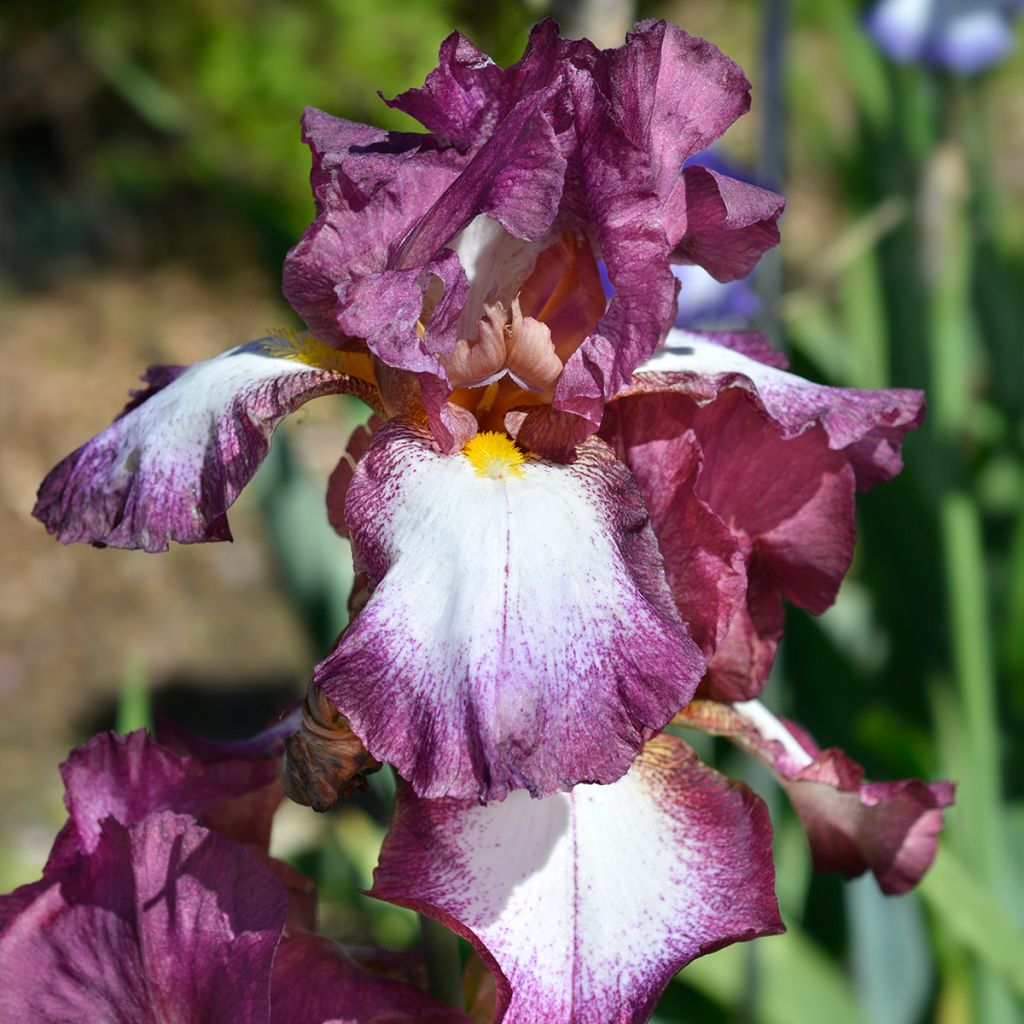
(151, 139)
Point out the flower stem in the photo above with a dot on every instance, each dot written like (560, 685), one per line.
(444, 967)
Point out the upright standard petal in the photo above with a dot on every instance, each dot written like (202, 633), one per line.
(370, 188)
(568, 141)
(585, 904)
(545, 645)
(161, 921)
(180, 453)
(853, 826)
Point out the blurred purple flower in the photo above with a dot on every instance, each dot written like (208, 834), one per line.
(965, 36)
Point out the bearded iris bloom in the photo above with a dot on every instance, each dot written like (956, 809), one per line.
(568, 521)
(451, 280)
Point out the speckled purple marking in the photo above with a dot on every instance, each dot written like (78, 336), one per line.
(585, 904)
(520, 634)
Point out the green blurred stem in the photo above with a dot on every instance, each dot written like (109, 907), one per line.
(444, 966)
(975, 675)
(134, 709)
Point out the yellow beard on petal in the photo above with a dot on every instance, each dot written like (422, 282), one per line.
(301, 347)
(494, 455)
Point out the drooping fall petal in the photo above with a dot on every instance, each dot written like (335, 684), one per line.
(868, 426)
(784, 505)
(586, 903)
(179, 454)
(780, 457)
(853, 826)
(546, 644)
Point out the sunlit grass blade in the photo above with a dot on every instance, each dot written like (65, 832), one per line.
(134, 706)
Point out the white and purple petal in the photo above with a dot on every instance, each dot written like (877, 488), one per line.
(520, 632)
(888, 828)
(179, 454)
(586, 903)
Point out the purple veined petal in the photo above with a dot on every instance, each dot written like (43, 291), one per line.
(721, 223)
(520, 632)
(316, 982)
(160, 921)
(888, 828)
(586, 903)
(674, 94)
(371, 187)
(461, 99)
(868, 426)
(782, 507)
(127, 778)
(464, 99)
(180, 453)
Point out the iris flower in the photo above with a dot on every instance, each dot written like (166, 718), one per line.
(520, 632)
(159, 901)
(568, 520)
(966, 36)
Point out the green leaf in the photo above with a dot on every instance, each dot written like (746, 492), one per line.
(892, 964)
(794, 981)
(975, 917)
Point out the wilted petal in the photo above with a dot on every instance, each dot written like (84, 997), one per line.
(546, 643)
(316, 982)
(586, 903)
(868, 426)
(853, 826)
(185, 446)
(324, 758)
(161, 921)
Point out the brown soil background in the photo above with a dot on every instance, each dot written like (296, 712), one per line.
(74, 619)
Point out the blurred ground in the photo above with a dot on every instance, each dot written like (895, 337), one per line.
(74, 619)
